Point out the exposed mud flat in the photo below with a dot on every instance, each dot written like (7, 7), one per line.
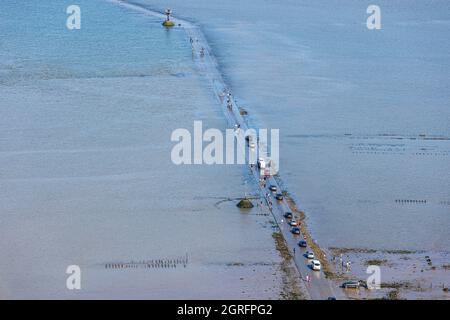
(405, 274)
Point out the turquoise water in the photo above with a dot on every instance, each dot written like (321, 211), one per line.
(35, 43)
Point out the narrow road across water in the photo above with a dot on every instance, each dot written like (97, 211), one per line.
(319, 287)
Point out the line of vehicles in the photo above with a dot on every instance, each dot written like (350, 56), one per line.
(264, 169)
(315, 264)
(295, 224)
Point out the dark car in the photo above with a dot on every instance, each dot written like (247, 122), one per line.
(273, 188)
(331, 298)
(288, 215)
(295, 230)
(302, 243)
(279, 197)
(350, 285)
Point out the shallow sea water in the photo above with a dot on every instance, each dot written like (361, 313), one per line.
(85, 171)
(363, 115)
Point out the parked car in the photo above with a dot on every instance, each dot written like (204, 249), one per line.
(273, 188)
(302, 243)
(350, 285)
(295, 230)
(331, 298)
(279, 197)
(288, 215)
(363, 284)
(315, 265)
(309, 254)
(293, 223)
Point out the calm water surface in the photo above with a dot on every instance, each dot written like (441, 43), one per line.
(85, 170)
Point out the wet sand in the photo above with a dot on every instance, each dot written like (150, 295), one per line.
(405, 274)
(87, 175)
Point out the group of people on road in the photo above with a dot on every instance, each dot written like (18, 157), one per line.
(202, 50)
(346, 265)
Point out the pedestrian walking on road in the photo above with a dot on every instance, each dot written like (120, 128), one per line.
(348, 266)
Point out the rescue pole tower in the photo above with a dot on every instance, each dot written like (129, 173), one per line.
(168, 22)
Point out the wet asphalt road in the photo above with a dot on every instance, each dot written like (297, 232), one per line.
(318, 287)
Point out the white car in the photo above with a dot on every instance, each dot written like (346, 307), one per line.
(309, 255)
(315, 265)
(261, 163)
(293, 223)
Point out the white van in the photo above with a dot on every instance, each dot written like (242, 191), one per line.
(261, 163)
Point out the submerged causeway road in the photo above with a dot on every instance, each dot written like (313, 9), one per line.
(319, 287)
